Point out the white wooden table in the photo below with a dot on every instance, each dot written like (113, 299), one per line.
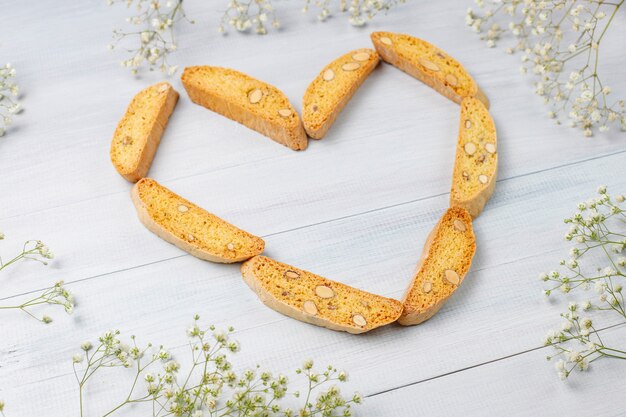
(354, 207)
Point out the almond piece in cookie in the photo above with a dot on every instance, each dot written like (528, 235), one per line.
(335, 85)
(313, 299)
(445, 260)
(191, 228)
(428, 64)
(476, 163)
(138, 134)
(253, 103)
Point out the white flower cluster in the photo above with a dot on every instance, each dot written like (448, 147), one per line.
(9, 92)
(209, 386)
(598, 230)
(153, 39)
(57, 295)
(258, 14)
(359, 11)
(560, 44)
(34, 250)
(245, 14)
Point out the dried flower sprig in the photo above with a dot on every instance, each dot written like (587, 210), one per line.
(599, 230)
(359, 11)
(560, 43)
(33, 250)
(57, 295)
(209, 387)
(245, 14)
(9, 93)
(257, 14)
(153, 40)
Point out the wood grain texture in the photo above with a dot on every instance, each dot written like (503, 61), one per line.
(355, 207)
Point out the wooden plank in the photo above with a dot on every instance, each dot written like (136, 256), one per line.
(355, 207)
(523, 385)
(377, 156)
(495, 314)
(97, 237)
(471, 330)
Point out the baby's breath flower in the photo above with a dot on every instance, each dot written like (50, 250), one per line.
(193, 331)
(57, 295)
(609, 271)
(259, 15)
(566, 326)
(560, 43)
(599, 231)
(163, 354)
(9, 91)
(151, 45)
(209, 385)
(243, 15)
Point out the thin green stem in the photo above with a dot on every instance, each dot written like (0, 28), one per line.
(617, 6)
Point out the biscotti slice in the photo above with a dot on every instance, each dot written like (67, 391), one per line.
(329, 93)
(428, 64)
(251, 102)
(445, 260)
(476, 163)
(190, 227)
(310, 298)
(138, 134)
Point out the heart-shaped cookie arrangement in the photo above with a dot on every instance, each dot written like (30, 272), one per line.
(448, 252)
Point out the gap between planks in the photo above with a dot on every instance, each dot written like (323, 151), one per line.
(410, 384)
(495, 360)
(362, 213)
(456, 371)
(580, 161)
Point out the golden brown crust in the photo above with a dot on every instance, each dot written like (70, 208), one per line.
(191, 228)
(331, 90)
(139, 132)
(445, 260)
(253, 103)
(316, 300)
(476, 163)
(428, 64)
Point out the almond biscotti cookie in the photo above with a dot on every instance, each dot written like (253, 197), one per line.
(445, 260)
(476, 163)
(329, 93)
(428, 64)
(251, 102)
(190, 227)
(310, 298)
(138, 134)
